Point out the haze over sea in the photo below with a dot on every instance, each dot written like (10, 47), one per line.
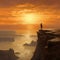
(24, 52)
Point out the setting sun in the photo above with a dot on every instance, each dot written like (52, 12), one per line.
(30, 18)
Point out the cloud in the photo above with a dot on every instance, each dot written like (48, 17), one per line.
(7, 3)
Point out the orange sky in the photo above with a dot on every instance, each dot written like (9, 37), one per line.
(11, 11)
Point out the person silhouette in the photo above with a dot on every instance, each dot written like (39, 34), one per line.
(41, 26)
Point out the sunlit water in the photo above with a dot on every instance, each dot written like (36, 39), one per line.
(25, 52)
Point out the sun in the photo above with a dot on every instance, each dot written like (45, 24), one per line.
(29, 18)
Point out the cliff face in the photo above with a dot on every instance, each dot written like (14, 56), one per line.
(42, 49)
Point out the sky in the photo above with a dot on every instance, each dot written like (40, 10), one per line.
(14, 13)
